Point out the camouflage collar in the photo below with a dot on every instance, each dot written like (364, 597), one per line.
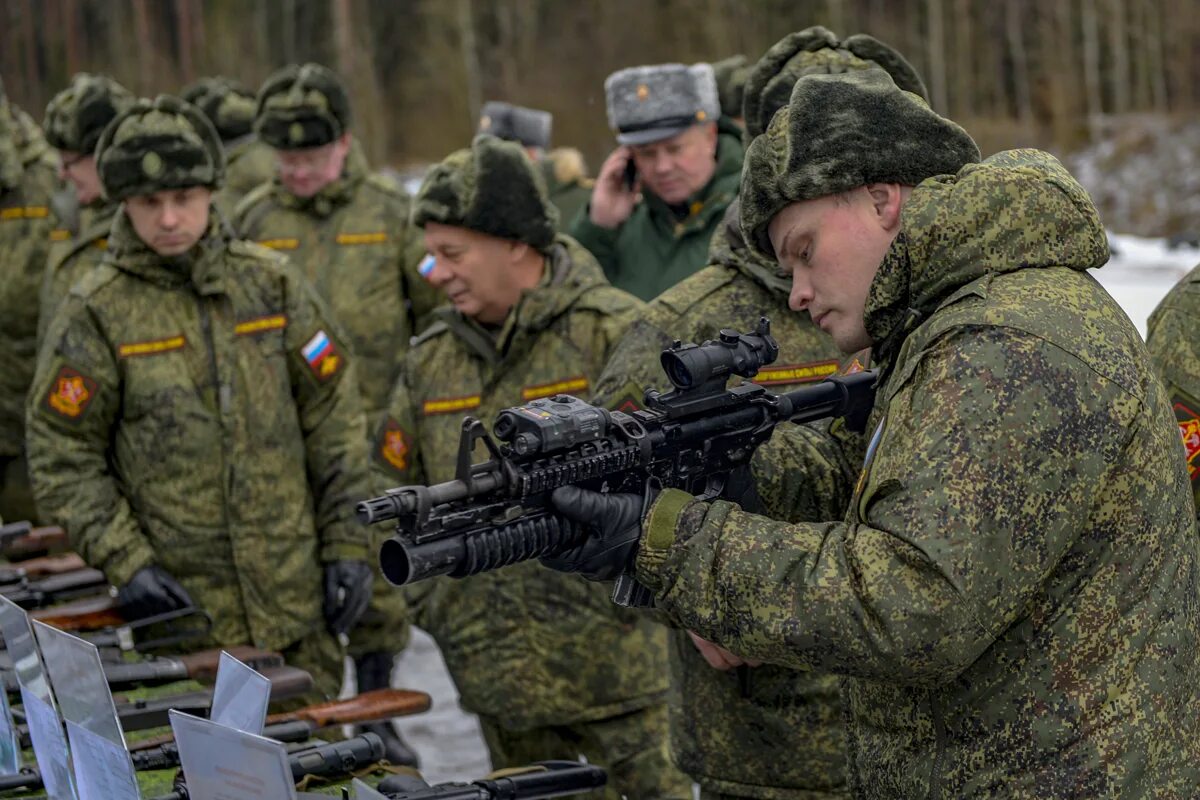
(202, 266)
(729, 249)
(333, 196)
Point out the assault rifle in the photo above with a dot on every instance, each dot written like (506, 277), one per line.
(497, 512)
(22, 540)
(21, 572)
(545, 779)
(52, 589)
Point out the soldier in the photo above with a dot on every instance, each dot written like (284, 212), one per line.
(348, 231)
(660, 195)
(26, 185)
(74, 120)
(1171, 341)
(731, 74)
(562, 168)
(1012, 591)
(729, 724)
(553, 669)
(194, 423)
(230, 107)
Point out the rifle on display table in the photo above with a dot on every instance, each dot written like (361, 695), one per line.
(101, 621)
(21, 540)
(22, 571)
(55, 589)
(161, 752)
(542, 780)
(497, 512)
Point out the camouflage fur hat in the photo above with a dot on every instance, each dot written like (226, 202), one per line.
(491, 188)
(228, 104)
(77, 115)
(528, 126)
(652, 103)
(817, 51)
(839, 132)
(302, 106)
(731, 74)
(159, 144)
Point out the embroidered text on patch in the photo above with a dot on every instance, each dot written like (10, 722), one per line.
(250, 327)
(449, 405)
(576, 384)
(153, 347)
(70, 393)
(795, 373)
(322, 356)
(24, 212)
(361, 238)
(280, 244)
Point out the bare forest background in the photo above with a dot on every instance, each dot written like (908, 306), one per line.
(1112, 84)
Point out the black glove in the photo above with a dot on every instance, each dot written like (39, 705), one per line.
(740, 488)
(347, 593)
(152, 591)
(614, 527)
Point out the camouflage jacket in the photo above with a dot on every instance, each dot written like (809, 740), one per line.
(1012, 594)
(1173, 344)
(249, 163)
(525, 645)
(73, 257)
(567, 184)
(353, 242)
(728, 728)
(655, 249)
(199, 413)
(26, 184)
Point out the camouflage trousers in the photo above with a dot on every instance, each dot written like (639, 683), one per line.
(384, 628)
(16, 494)
(322, 656)
(632, 748)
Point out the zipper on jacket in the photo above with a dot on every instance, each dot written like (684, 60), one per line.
(939, 738)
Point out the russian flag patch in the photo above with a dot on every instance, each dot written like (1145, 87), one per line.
(426, 265)
(321, 356)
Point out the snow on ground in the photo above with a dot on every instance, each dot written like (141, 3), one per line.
(448, 739)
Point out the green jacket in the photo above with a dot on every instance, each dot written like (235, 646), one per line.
(1172, 341)
(729, 728)
(353, 242)
(1012, 592)
(27, 182)
(655, 249)
(527, 646)
(567, 184)
(72, 258)
(184, 413)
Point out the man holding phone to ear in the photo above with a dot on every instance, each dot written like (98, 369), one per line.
(662, 193)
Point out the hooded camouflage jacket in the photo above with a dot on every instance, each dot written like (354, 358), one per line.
(26, 184)
(198, 413)
(1175, 348)
(1012, 594)
(525, 645)
(72, 258)
(654, 249)
(728, 728)
(352, 240)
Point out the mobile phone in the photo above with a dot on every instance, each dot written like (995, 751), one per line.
(629, 178)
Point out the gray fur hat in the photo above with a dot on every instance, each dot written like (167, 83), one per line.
(648, 104)
(527, 126)
(839, 132)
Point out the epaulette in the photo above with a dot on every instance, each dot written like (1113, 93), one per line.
(694, 288)
(436, 329)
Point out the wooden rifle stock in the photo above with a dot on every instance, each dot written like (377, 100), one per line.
(36, 542)
(90, 614)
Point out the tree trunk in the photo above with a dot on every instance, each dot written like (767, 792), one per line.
(937, 56)
(470, 56)
(1118, 43)
(1093, 103)
(1015, 39)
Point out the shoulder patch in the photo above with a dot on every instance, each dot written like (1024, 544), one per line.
(152, 347)
(322, 356)
(1189, 430)
(395, 446)
(70, 394)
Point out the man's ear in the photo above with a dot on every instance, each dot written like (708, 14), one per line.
(887, 200)
(516, 251)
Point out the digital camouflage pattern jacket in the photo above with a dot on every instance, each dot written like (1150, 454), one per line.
(352, 240)
(72, 257)
(728, 729)
(1012, 594)
(654, 249)
(27, 182)
(1172, 341)
(200, 413)
(526, 646)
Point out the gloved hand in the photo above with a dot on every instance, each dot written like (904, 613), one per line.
(152, 591)
(347, 593)
(740, 488)
(614, 526)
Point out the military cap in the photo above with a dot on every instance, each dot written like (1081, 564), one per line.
(817, 51)
(159, 144)
(491, 188)
(302, 106)
(227, 103)
(839, 132)
(648, 104)
(77, 115)
(528, 126)
(730, 75)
